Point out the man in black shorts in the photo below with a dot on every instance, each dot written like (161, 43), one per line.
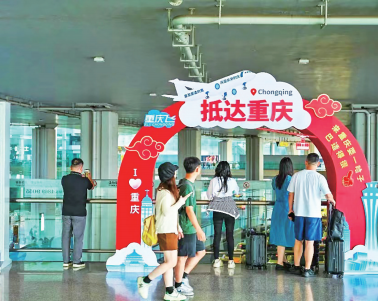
(191, 248)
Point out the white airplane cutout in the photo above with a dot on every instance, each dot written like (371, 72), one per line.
(192, 90)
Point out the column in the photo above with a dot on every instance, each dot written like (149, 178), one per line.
(44, 153)
(225, 150)
(359, 129)
(254, 168)
(4, 183)
(99, 151)
(273, 148)
(189, 145)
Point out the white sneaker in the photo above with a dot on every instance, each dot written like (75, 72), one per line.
(217, 263)
(231, 264)
(79, 265)
(67, 265)
(143, 288)
(175, 296)
(185, 282)
(185, 290)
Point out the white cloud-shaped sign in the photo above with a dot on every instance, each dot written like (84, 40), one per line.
(250, 101)
(146, 255)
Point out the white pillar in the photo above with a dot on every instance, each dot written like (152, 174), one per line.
(44, 153)
(225, 150)
(99, 151)
(254, 168)
(4, 183)
(189, 145)
(273, 148)
(359, 129)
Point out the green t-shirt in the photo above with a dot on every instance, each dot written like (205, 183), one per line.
(187, 187)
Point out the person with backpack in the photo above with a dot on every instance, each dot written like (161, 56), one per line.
(168, 202)
(220, 193)
(306, 189)
(282, 229)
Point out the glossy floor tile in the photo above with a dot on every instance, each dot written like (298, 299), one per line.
(32, 281)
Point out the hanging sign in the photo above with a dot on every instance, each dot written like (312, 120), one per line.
(284, 144)
(244, 99)
(303, 145)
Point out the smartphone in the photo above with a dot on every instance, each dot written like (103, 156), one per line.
(86, 172)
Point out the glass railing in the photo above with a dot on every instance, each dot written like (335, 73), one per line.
(36, 219)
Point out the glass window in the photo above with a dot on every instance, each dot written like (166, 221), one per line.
(68, 147)
(20, 151)
(125, 136)
(238, 153)
(170, 153)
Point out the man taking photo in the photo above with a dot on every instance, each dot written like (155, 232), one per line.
(306, 189)
(75, 186)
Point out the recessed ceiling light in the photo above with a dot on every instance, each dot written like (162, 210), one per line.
(99, 59)
(303, 61)
(153, 94)
(40, 120)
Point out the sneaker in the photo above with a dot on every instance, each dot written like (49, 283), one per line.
(287, 265)
(295, 270)
(79, 265)
(185, 282)
(217, 263)
(176, 296)
(143, 288)
(308, 273)
(280, 267)
(185, 290)
(231, 264)
(67, 265)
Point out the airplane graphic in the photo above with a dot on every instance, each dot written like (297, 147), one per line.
(193, 90)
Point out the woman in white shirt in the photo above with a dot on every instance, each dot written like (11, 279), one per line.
(220, 193)
(168, 202)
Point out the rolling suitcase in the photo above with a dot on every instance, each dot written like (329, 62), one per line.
(334, 253)
(255, 250)
(255, 244)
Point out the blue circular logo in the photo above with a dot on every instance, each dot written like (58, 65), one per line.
(234, 92)
(217, 86)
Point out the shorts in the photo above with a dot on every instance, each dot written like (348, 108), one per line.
(167, 241)
(189, 245)
(308, 228)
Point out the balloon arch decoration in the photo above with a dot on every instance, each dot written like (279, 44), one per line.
(247, 100)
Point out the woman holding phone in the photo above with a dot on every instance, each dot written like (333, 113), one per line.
(168, 202)
(282, 229)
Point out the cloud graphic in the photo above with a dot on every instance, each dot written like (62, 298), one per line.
(257, 102)
(147, 148)
(323, 106)
(148, 256)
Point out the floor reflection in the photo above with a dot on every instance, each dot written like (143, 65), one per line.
(361, 287)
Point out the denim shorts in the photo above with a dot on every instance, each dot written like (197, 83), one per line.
(308, 228)
(189, 245)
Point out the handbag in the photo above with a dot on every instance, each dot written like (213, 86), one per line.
(149, 235)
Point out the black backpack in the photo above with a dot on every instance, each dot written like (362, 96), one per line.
(336, 224)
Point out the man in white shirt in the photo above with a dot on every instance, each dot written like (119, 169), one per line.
(306, 189)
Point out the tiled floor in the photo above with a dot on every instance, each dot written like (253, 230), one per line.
(48, 281)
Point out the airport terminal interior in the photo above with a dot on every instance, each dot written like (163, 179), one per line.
(88, 79)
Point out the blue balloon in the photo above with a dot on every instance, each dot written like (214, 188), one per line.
(217, 86)
(234, 92)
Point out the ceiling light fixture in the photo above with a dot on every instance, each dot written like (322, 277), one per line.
(153, 94)
(303, 61)
(99, 59)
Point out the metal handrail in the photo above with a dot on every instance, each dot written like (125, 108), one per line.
(114, 201)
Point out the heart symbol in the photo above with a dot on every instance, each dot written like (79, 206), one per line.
(135, 183)
(253, 91)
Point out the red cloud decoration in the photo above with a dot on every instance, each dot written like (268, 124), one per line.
(147, 148)
(324, 106)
